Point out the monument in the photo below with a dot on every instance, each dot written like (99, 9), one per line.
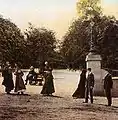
(93, 61)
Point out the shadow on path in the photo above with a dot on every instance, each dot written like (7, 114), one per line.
(15, 94)
(55, 96)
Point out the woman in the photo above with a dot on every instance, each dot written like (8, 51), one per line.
(8, 78)
(80, 91)
(48, 87)
(19, 83)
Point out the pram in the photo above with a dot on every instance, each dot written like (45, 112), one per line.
(34, 78)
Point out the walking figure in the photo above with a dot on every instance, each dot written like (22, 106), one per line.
(89, 85)
(7, 78)
(80, 91)
(19, 83)
(108, 84)
(48, 87)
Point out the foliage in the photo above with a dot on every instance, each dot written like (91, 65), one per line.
(40, 45)
(87, 8)
(75, 45)
(11, 42)
(110, 46)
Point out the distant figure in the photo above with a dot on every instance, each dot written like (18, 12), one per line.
(19, 83)
(80, 91)
(7, 78)
(48, 87)
(108, 84)
(89, 85)
(32, 76)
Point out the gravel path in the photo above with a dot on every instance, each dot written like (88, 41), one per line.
(61, 106)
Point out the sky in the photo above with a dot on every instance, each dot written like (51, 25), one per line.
(56, 15)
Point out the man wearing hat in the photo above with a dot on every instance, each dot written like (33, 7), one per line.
(89, 84)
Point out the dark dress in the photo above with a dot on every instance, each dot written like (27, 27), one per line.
(48, 87)
(8, 79)
(19, 84)
(80, 91)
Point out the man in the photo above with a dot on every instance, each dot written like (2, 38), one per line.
(89, 84)
(108, 83)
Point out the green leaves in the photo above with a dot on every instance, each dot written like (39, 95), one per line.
(40, 44)
(88, 8)
(10, 41)
(76, 42)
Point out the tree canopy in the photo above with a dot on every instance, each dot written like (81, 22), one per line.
(87, 8)
(76, 43)
(33, 47)
(40, 45)
(37, 45)
(11, 41)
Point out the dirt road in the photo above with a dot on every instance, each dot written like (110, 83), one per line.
(37, 107)
(61, 106)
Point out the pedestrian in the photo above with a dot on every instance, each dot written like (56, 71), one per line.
(48, 87)
(19, 83)
(89, 85)
(108, 84)
(7, 78)
(80, 91)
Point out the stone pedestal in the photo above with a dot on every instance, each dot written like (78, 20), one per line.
(93, 61)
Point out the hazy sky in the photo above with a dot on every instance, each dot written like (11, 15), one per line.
(53, 14)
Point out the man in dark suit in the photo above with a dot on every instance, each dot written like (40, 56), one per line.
(108, 83)
(89, 84)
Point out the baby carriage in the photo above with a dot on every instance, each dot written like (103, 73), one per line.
(34, 77)
(31, 78)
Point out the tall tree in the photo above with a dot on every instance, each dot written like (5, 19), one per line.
(11, 41)
(40, 44)
(76, 42)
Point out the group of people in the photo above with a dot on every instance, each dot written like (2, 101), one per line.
(19, 87)
(86, 85)
(84, 89)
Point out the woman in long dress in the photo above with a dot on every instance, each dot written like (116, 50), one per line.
(80, 91)
(8, 78)
(19, 83)
(48, 87)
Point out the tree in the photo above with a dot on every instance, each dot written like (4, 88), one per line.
(110, 45)
(76, 43)
(40, 45)
(87, 8)
(11, 42)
